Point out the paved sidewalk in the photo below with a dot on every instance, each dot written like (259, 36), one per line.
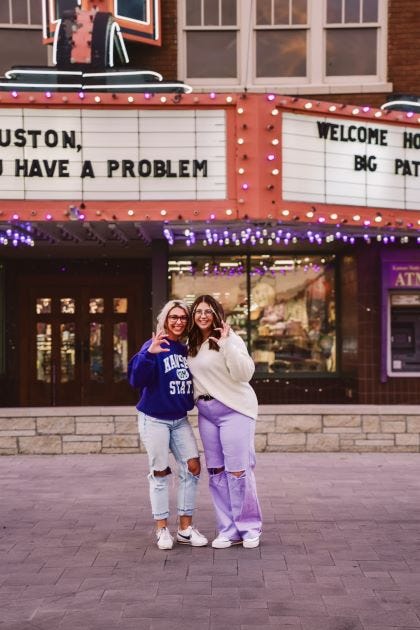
(340, 551)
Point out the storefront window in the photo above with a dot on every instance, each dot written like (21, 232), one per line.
(283, 307)
(224, 278)
(292, 314)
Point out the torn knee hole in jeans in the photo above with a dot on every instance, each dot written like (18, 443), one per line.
(162, 473)
(194, 466)
(216, 471)
(238, 474)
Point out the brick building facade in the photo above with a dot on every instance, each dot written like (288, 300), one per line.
(340, 352)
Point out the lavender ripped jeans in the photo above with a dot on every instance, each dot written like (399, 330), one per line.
(228, 440)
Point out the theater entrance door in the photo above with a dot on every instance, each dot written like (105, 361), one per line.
(78, 338)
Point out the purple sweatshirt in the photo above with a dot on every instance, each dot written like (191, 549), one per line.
(165, 381)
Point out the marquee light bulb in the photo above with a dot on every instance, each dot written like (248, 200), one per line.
(212, 95)
(241, 171)
(332, 108)
(97, 99)
(275, 141)
(48, 95)
(274, 112)
(240, 140)
(271, 157)
(275, 171)
(240, 110)
(130, 99)
(229, 99)
(308, 105)
(163, 99)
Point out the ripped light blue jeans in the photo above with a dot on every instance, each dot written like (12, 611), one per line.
(159, 437)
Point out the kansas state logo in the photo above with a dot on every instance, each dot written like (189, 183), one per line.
(182, 374)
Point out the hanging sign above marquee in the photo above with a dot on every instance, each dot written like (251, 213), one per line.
(142, 155)
(340, 161)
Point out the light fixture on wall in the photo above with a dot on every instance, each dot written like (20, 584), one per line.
(403, 103)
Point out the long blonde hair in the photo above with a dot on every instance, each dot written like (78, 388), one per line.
(163, 315)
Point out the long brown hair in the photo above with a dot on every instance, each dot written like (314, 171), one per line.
(195, 337)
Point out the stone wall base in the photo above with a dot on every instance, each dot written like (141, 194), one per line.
(280, 428)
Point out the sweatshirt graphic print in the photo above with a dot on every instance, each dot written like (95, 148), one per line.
(165, 381)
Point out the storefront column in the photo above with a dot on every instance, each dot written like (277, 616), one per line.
(160, 253)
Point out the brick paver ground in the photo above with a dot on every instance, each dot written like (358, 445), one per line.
(340, 551)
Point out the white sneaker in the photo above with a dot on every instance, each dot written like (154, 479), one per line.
(164, 538)
(221, 542)
(191, 536)
(251, 543)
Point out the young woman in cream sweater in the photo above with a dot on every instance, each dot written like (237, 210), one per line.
(227, 410)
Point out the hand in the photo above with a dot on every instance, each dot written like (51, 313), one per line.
(224, 332)
(158, 340)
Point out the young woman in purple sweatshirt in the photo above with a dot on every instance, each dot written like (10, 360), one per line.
(160, 371)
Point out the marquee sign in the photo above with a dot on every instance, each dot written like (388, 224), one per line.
(104, 154)
(359, 163)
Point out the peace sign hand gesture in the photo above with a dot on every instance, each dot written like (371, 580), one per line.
(158, 339)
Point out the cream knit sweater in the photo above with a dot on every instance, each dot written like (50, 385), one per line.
(225, 375)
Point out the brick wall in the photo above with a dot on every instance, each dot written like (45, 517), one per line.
(294, 428)
(403, 33)
(163, 58)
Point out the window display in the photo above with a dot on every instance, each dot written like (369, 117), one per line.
(283, 307)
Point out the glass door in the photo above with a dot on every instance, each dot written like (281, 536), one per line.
(80, 341)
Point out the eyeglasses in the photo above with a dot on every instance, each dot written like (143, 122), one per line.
(207, 312)
(175, 318)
